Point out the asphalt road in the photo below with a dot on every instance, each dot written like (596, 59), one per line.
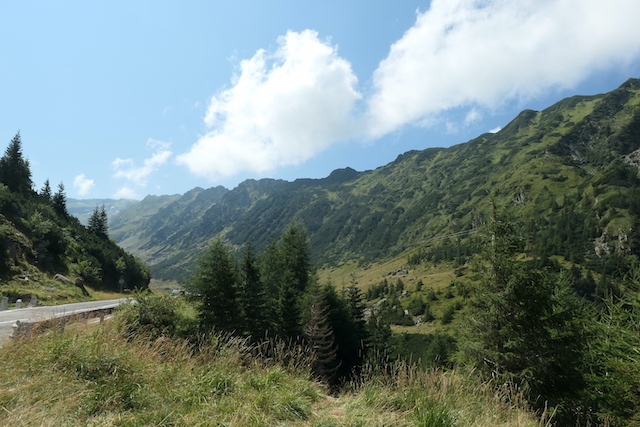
(35, 314)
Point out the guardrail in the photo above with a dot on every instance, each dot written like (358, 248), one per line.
(26, 329)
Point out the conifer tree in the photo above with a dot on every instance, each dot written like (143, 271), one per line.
(296, 258)
(270, 269)
(521, 326)
(60, 201)
(346, 316)
(285, 269)
(355, 303)
(14, 168)
(379, 345)
(45, 192)
(98, 222)
(251, 296)
(215, 282)
(320, 335)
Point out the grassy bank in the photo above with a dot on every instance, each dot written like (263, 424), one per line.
(96, 376)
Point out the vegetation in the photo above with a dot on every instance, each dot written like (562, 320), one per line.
(103, 376)
(573, 202)
(276, 295)
(510, 284)
(522, 326)
(39, 239)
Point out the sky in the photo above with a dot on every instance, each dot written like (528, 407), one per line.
(124, 99)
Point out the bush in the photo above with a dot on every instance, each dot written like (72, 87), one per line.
(150, 315)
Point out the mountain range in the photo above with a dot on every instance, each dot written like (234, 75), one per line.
(568, 173)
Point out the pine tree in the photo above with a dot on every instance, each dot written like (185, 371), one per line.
(380, 347)
(45, 192)
(98, 222)
(215, 282)
(14, 168)
(355, 303)
(251, 296)
(285, 269)
(320, 335)
(296, 258)
(346, 316)
(521, 325)
(60, 201)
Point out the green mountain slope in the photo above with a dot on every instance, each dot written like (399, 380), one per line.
(569, 173)
(44, 250)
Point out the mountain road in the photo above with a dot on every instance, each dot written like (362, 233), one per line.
(37, 314)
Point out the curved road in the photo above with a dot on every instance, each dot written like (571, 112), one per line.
(35, 314)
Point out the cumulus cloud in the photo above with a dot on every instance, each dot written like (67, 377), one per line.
(137, 176)
(126, 192)
(82, 184)
(281, 109)
(465, 57)
(469, 53)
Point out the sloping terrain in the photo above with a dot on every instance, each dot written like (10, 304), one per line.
(568, 172)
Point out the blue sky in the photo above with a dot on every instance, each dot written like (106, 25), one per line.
(124, 99)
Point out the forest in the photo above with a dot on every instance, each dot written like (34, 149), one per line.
(37, 235)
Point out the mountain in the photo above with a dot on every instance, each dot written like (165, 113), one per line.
(83, 208)
(568, 173)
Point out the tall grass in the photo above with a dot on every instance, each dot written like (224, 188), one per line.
(103, 377)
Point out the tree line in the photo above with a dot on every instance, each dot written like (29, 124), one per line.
(55, 241)
(276, 294)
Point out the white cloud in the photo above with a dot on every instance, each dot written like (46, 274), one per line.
(282, 109)
(82, 184)
(469, 53)
(137, 176)
(495, 130)
(472, 116)
(126, 192)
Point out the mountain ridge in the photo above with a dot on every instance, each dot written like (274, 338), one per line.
(571, 149)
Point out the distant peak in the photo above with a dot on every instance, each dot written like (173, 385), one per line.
(631, 84)
(343, 174)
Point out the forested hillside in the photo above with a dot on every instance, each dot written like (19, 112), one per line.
(568, 173)
(40, 239)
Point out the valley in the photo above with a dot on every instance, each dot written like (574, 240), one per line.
(508, 262)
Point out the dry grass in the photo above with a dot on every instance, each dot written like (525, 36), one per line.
(97, 377)
(408, 396)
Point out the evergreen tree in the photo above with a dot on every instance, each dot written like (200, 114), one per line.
(346, 317)
(215, 283)
(296, 258)
(380, 348)
(522, 326)
(320, 335)
(60, 201)
(14, 168)
(98, 222)
(251, 296)
(286, 272)
(45, 192)
(355, 303)
(270, 269)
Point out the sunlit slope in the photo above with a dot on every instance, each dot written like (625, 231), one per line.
(577, 157)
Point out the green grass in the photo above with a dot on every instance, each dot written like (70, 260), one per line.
(95, 376)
